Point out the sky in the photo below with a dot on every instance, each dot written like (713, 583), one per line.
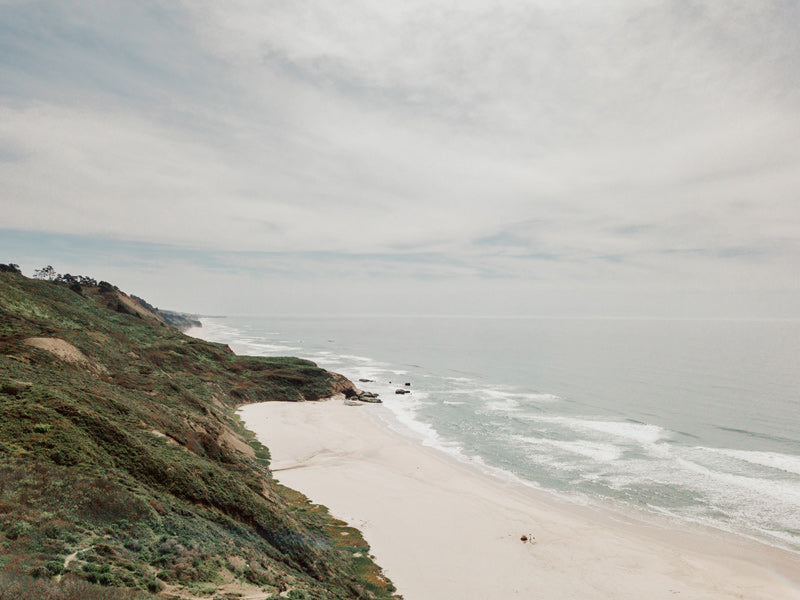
(625, 158)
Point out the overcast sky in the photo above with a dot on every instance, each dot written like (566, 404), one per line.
(623, 158)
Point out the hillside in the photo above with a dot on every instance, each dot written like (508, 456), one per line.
(124, 472)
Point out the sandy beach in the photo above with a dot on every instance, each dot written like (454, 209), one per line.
(442, 529)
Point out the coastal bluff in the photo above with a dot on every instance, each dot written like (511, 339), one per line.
(126, 474)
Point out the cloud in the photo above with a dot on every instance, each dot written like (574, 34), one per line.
(560, 145)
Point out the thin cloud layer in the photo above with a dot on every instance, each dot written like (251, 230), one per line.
(558, 148)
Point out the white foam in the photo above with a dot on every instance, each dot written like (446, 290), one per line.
(404, 412)
(636, 432)
(783, 490)
(501, 400)
(363, 359)
(596, 451)
(641, 433)
(214, 331)
(260, 348)
(526, 396)
(502, 405)
(753, 506)
(789, 463)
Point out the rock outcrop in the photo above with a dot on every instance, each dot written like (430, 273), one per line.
(371, 397)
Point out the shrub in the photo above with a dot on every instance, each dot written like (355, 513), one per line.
(39, 571)
(14, 586)
(18, 529)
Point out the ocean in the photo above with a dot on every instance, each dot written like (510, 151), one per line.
(692, 420)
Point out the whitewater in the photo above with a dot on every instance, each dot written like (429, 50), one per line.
(696, 421)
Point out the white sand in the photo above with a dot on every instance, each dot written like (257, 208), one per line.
(442, 530)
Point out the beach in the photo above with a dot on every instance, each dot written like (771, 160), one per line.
(443, 529)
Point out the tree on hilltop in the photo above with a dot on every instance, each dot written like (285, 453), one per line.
(47, 273)
(10, 268)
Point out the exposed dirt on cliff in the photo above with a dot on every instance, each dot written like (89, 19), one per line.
(65, 351)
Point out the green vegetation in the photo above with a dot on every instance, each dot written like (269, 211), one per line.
(124, 472)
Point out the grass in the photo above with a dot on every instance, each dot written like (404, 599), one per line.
(129, 463)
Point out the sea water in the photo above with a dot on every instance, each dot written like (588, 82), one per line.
(693, 420)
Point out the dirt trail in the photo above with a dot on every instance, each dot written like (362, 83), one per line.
(72, 557)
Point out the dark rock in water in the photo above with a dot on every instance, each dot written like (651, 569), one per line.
(408, 384)
(368, 397)
(402, 391)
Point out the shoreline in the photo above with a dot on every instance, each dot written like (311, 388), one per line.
(670, 529)
(321, 466)
(442, 528)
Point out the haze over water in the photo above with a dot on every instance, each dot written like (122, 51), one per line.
(696, 420)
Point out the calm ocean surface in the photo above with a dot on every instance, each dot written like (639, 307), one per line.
(695, 420)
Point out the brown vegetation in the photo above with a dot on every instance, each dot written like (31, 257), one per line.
(83, 475)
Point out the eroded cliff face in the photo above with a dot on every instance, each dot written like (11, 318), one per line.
(342, 385)
(119, 449)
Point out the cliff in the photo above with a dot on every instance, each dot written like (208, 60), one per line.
(124, 472)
